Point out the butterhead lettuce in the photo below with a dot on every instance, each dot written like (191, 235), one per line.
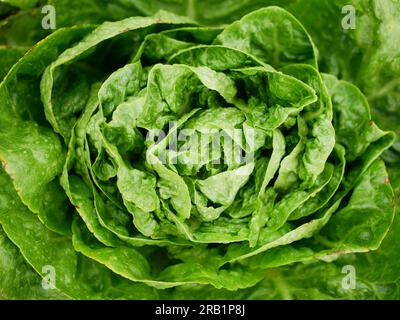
(157, 157)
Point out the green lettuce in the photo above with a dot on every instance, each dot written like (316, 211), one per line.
(173, 155)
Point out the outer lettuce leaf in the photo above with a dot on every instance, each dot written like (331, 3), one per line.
(19, 280)
(80, 114)
(76, 276)
(8, 57)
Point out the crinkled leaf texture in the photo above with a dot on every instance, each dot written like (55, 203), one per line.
(113, 176)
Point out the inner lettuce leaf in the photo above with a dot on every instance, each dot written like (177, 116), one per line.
(157, 156)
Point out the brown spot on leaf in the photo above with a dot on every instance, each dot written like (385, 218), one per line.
(386, 180)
